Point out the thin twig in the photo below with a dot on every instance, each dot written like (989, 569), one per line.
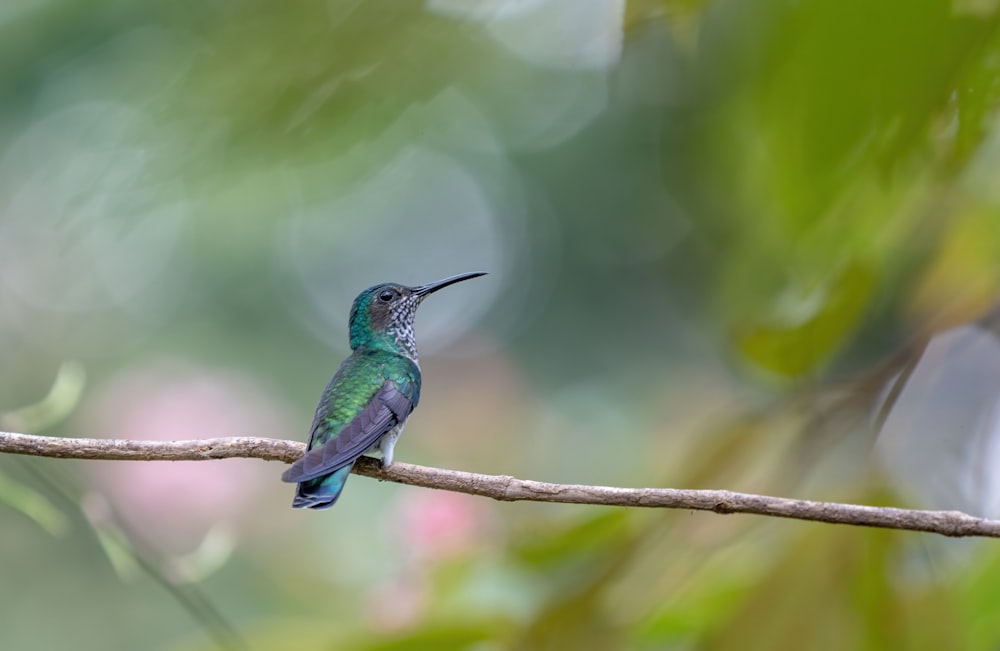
(510, 489)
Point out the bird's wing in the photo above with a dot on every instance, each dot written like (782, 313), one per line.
(389, 407)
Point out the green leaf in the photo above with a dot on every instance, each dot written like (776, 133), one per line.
(804, 327)
(33, 505)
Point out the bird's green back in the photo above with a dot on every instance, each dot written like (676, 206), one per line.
(355, 383)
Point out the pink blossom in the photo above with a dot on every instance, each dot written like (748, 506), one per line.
(175, 503)
(436, 525)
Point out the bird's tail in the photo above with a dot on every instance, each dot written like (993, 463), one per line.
(322, 492)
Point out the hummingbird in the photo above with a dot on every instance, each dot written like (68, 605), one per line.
(371, 395)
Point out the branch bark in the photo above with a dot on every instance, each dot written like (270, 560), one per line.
(511, 489)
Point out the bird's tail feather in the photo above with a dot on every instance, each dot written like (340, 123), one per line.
(322, 492)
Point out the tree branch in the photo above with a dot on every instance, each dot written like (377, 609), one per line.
(510, 489)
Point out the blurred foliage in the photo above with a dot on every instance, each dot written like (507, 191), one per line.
(742, 245)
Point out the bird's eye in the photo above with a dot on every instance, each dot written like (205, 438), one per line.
(386, 295)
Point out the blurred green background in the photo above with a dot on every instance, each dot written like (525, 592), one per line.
(742, 245)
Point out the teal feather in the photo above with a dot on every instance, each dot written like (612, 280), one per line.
(322, 492)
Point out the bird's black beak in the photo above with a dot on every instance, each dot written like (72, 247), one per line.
(430, 288)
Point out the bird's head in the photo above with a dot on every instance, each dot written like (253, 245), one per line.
(382, 316)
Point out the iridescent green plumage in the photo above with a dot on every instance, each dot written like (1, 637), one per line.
(355, 385)
(367, 402)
